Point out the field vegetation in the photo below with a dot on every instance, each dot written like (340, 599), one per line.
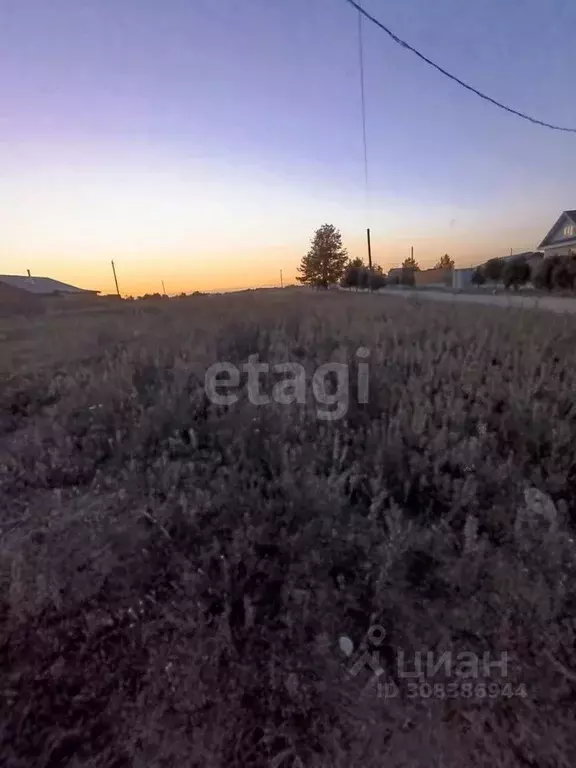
(176, 576)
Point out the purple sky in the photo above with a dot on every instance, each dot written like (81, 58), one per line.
(202, 141)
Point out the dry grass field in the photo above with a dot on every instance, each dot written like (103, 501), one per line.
(175, 575)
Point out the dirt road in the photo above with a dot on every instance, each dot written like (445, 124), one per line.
(557, 304)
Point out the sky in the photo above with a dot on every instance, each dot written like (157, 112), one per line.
(201, 142)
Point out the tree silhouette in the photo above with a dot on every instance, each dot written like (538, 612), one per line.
(445, 262)
(327, 259)
(516, 273)
(493, 270)
(410, 263)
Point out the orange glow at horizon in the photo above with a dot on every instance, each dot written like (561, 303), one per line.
(207, 228)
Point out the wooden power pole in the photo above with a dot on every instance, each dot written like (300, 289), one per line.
(115, 278)
(369, 248)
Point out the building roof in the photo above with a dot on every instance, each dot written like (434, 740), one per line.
(42, 286)
(568, 215)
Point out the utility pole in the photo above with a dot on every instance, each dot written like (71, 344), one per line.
(281, 280)
(412, 252)
(115, 278)
(163, 289)
(369, 248)
(369, 259)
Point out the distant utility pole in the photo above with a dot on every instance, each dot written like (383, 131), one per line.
(369, 248)
(281, 280)
(412, 252)
(163, 289)
(115, 278)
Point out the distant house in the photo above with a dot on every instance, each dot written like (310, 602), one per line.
(44, 286)
(401, 275)
(438, 276)
(462, 277)
(27, 294)
(561, 240)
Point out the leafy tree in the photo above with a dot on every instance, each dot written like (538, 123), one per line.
(357, 262)
(326, 260)
(515, 273)
(378, 278)
(493, 270)
(546, 273)
(445, 262)
(555, 273)
(351, 276)
(410, 263)
(362, 277)
(478, 276)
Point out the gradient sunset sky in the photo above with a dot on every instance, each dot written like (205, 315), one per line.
(201, 142)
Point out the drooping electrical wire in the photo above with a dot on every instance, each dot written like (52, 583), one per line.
(404, 44)
(365, 143)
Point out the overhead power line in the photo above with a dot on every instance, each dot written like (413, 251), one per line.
(404, 44)
(363, 100)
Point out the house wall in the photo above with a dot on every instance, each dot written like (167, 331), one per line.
(14, 301)
(441, 276)
(560, 249)
(403, 274)
(462, 278)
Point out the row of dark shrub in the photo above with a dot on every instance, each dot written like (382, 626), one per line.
(552, 273)
(363, 277)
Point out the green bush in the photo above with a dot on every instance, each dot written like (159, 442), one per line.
(555, 273)
(564, 273)
(493, 270)
(516, 273)
(542, 274)
(362, 277)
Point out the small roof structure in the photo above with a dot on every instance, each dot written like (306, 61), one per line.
(42, 286)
